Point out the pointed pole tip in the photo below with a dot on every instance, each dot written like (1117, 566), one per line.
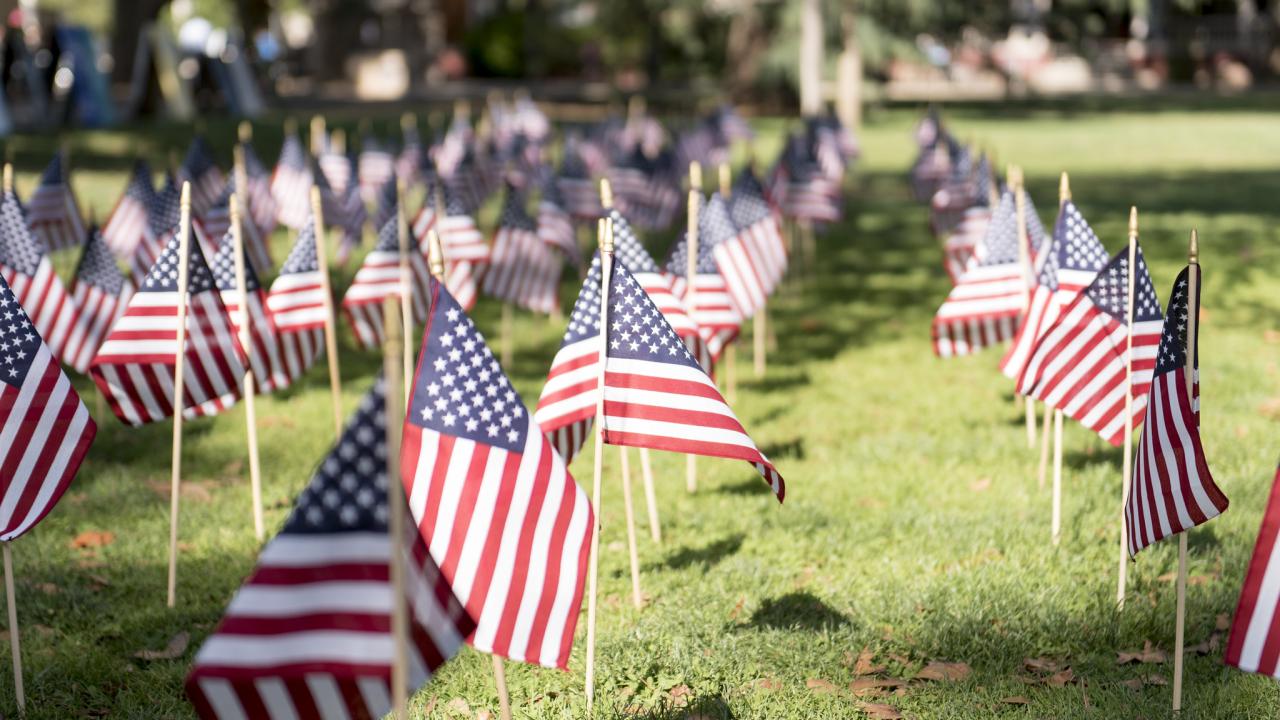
(1193, 248)
(1133, 221)
(606, 194)
(1064, 187)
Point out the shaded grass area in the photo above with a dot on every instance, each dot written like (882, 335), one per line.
(913, 525)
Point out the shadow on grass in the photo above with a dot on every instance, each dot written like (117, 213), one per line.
(713, 707)
(746, 487)
(706, 556)
(796, 611)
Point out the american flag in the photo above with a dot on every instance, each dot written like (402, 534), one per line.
(338, 168)
(1072, 262)
(257, 192)
(386, 200)
(134, 367)
(753, 261)
(379, 278)
(297, 304)
(265, 351)
(957, 249)
(1255, 632)
(581, 196)
(374, 167)
(523, 270)
(656, 395)
(957, 194)
(52, 212)
(712, 308)
(100, 293)
(499, 511)
(466, 254)
(291, 184)
(810, 193)
(162, 222)
(555, 225)
(309, 634)
(46, 429)
(987, 303)
(929, 129)
(342, 209)
(409, 161)
(630, 253)
(29, 272)
(1172, 489)
(127, 224)
(206, 178)
(216, 222)
(932, 167)
(1079, 364)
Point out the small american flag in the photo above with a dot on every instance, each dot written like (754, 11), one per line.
(1172, 489)
(409, 161)
(1073, 260)
(523, 270)
(291, 184)
(162, 222)
(375, 166)
(29, 272)
(712, 308)
(52, 212)
(753, 261)
(986, 305)
(100, 293)
(1079, 364)
(134, 367)
(386, 200)
(297, 304)
(656, 395)
(1255, 630)
(466, 254)
(309, 634)
(932, 167)
(502, 517)
(127, 224)
(342, 209)
(957, 249)
(379, 278)
(46, 428)
(555, 225)
(809, 194)
(257, 192)
(265, 351)
(206, 178)
(216, 222)
(581, 196)
(338, 169)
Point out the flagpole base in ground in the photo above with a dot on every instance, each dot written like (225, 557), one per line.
(691, 473)
(500, 680)
(1180, 626)
(650, 496)
(1044, 449)
(1057, 477)
(636, 597)
(14, 646)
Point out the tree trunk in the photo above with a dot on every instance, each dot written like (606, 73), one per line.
(849, 75)
(810, 57)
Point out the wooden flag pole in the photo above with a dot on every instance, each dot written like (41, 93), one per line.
(317, 134)
(394, 420)
(179, 370)
(1044, 447)
(636, 597)
(1126, 470)
(646, 469)
(330, 329)
(244, 131)
(606, 263)
(730, 351)
(1024, 260)
(406, 287)
(1064, 194)
(14, 647)
(250, 410)
(338, 141)
(1193, 304)
(691, 290)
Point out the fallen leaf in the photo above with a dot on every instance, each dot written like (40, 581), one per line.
(1015, 700)
(680, 694)
(880, 711)
(936, 670)
(458, 705)
(866, 664)
(1222, 622)
(980, 485)
(873, 686)
(484, 715)
(43, 630)
(819, 685)
(1134, 684)
(1209, 645)
(276, 421)
(737, 609)
(766, 683)
(900, 659)
(1148, 654)
(176, 647)
(1061, 678)
(47, 588)
(93, 539)
(1041, 664)
(99, 582)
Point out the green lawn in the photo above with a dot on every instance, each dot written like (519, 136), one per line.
(913, 526)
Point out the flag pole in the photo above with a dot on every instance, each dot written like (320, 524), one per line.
(179, 369)
(330, 331)
(1024, 260)
(731, 351)
(244, 131)
(394, 410)
(606, 267)
(317, 134)
(12, 599)
(1044, 447)
(691, 291)
(250, 409)
(636, 596)
(1126, 470)
(646, 469)
(406, 286)
(1193, 304)
(1064, 194)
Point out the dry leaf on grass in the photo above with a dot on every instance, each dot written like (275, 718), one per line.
(980, 484)
(766, 683)
(1041, 664)
(737, 609)
(93, 539)
(1015, 700)
(680, 695)
(1061, 678)
(458, 705)
(1222, 622)
(866, 664)
(1148, 654)
(47, 588)
(880, 711)
(819, 685)
(176, 647)
(874, 686)
(937, 670)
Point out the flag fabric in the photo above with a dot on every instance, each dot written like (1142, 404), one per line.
(309, 634)
(1079, 364)
(127, 224)
(630, 252)
(385, 201)
(291, 184)
(409, 161)
(162, 221)
(206, 178)
(501, 516)
(1074, 257)
(1253, 643)
(986, 305)
(337, 167)
(656, 395)
(378, 278)
(45, 428)
(271, 371)
(374, 167)
(1172, 490)
(100, 293)
(466, 254)
(581, 196)
(134, 367)
(257, 195)
(957, 249)
(342, 209)
(523, 270)
(754, 260)
(29, 273)
(555, 224)
(711, 305)
(810, 192)
(216, 222)
(52, 212)
(297, 304)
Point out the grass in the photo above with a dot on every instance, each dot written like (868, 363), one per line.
(913, 525)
